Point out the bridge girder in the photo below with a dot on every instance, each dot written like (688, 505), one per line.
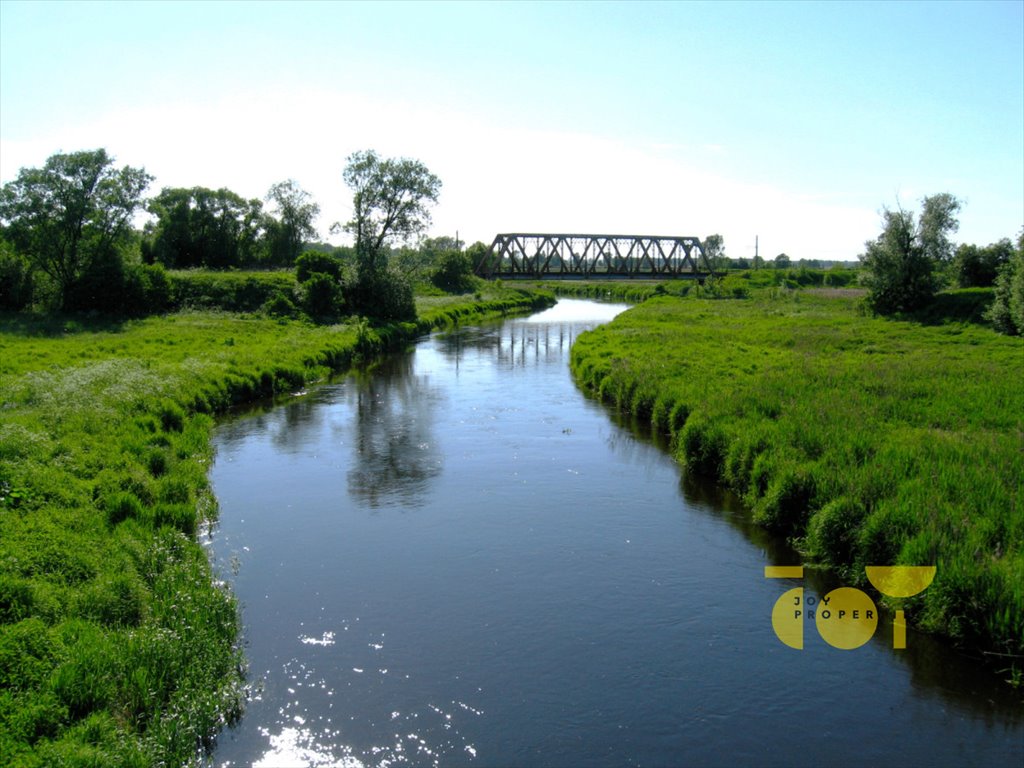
(536, 255)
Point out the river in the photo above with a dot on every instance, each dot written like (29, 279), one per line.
(457, 558)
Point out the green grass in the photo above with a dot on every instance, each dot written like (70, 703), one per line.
(117, 647)
(868, 441)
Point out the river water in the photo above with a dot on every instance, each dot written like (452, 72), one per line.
(457, 558)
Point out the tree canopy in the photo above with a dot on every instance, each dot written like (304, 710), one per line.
(903, 258)
(391, 199)
(75, 210)
(202, 227)
(293, 226)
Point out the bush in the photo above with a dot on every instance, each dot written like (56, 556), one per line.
(316, 263)
(280, 305)
(230, 291)
(385, 296)
(156, 287)
(454, 273)
(322, 297)
(1007, 310)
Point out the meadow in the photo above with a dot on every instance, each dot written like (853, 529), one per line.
(867, 441)
(118, 646)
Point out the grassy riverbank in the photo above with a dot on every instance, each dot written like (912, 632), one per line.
(116, 645)
(869, 441)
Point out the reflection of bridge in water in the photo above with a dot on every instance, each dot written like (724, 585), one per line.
(540, 256)
(518, 344)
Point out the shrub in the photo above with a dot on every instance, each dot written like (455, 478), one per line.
(322, 297)
(230, 291)
(156, 287)
(1007, 311)
(316, 263)
(383, 295)
(280, 305)
(454, 273)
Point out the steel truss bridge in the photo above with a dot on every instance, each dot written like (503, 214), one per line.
(538, 256)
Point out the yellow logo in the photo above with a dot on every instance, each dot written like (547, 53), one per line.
(846, 617)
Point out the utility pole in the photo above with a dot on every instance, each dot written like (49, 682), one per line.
(756, 254)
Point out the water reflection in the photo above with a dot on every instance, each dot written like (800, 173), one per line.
(562, 596)
(396, 455)
(540, 339)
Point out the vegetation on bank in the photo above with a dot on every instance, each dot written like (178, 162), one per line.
(117, 647)
(869, 441)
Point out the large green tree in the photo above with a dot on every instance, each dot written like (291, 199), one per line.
(979, 266)
(73, 212)
(200, 227)
(902, 260)
(391, 201)
(291, 224)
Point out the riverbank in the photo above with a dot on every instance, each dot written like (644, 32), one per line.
(867, 441)
(116, 646)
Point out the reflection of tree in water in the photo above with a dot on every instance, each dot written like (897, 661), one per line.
(395, 453)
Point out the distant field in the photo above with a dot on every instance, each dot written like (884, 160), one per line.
(868, 441)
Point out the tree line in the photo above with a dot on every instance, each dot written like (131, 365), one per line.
(913, 258)
(67, 240)
(67, 237)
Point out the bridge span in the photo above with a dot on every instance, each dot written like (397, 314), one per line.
(540, 256)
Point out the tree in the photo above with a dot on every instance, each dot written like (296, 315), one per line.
(979, 267)
(1007, 310)
(937, 221)
(901, 261)
(390, 203)
(202, 227)
(477, 253)
(74, 211)
(782, 261)
(295, 213)
(454, 272)
(714, 251)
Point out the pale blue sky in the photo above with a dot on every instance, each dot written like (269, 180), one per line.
(792, 121)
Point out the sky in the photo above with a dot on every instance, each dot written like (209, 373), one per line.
(787, 124)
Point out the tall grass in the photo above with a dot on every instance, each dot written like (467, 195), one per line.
(867, 441)
(117, 647)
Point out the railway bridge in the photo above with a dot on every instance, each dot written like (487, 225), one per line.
(567, 256)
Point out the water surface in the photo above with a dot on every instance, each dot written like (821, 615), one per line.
(458, 559)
